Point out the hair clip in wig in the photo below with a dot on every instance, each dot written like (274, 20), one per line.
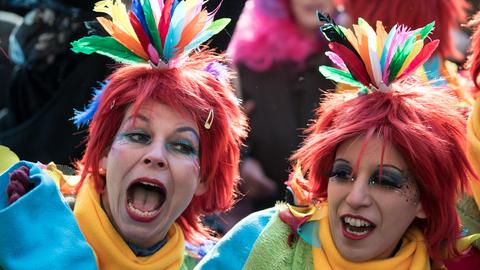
(209, 121)
(371, 60)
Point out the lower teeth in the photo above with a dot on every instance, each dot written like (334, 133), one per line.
(356, 232)
(140, 212)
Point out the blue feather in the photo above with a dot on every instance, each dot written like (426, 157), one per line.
(138, 11)
(81, 118)
(174, 30)
(386, 46)
(174, 6)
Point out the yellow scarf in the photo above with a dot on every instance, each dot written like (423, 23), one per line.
(109, 247)
(473, 137)
(412, 255)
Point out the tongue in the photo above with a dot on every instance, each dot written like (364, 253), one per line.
(359, 229)
(145, 199)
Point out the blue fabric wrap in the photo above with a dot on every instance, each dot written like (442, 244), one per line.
(39, 231)
(234, 248)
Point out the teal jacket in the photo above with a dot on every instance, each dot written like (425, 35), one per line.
(39, 231)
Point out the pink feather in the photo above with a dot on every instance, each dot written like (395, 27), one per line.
(336, 60)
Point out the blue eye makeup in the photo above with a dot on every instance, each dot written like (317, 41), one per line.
(389, 178)
(137, 136)
(183, 147)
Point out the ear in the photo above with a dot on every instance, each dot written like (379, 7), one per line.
(420, 212)
(201, 188)
(102, 165)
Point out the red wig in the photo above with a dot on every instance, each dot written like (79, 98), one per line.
(188, 88)
(423, 125)
(475, 53)
(415, 14)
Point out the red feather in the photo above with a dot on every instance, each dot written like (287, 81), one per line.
(164, 22)
(137, 27)
(354, 64)
(421, 57)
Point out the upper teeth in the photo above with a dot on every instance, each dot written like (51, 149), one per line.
(149, 184)
(356, 222)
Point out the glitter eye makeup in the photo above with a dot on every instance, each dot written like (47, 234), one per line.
(393, 179)
(389, 178)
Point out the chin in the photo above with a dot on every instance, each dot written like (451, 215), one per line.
(356, 257)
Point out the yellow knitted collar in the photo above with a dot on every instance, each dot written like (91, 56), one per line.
(110, 249)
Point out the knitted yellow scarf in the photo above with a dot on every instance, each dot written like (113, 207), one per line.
(109, 247)
(473, 137)
(412, 255)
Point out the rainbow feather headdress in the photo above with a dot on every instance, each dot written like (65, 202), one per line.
(160, 32)
(372, 60)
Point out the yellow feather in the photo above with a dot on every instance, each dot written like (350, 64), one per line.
(417, 47)
(131, 42)
(350, 37)
(118, 12)
(381, 38)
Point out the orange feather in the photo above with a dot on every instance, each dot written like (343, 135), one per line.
(121, 36)
(191, 30)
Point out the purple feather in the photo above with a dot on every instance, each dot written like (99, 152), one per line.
(83, 117)
(218, 70)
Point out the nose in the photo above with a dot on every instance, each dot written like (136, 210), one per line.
(156, 157)
(359, 195)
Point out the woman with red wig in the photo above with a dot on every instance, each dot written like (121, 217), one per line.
(163, 147)
(382, 166)
(276, 49)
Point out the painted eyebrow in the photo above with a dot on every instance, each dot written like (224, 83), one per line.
(178, 130)
(341, 160)
(188, 129)
(388, 166)
(139, 116)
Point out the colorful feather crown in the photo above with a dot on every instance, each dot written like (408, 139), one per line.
(372, 60)
(160, 32)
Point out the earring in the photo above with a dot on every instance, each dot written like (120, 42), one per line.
(102, 172)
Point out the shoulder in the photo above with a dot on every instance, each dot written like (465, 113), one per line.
(233, 249)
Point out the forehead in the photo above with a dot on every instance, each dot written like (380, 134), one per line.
(157, 113)
(369, 152)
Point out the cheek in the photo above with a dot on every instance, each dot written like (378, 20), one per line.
(196, 165)
(335, 192)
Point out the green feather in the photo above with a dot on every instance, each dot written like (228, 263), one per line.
(402, 52)
(426, 29)
(340, 76)
(400, 56)
(218, 25)
(107, 46)
(152, 27)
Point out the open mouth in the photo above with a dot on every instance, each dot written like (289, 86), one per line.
(145, 199)
(356, 228)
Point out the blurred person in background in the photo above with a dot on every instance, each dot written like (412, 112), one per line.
(276, 49)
